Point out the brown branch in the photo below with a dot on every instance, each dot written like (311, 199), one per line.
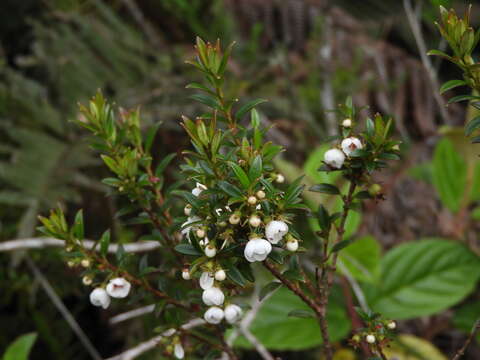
(474, 331)
(380, 352)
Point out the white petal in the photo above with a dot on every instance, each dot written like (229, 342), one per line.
(206, 280)
(178, 351)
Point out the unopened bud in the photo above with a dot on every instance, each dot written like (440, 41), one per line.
(87, 280)
(260, 194)
(392, 325)
(220, 275)
(255, 221)
(85, 263)
(210, 251)
(186, 274)
(252, 200)
(187, 210)
(70, 264)
(292, 245)
(234, 219)
(370, 339)
(347, 123)
(374, 189)
(280, 179)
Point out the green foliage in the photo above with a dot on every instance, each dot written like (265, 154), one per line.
(278, 331)
(423, 278)
(20, 348)
(361, 259)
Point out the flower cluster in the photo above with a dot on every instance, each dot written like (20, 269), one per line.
(117, 288)
(377, 332)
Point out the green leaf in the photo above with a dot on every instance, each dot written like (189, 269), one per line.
(451, 84)
(206, 100)
(20, 348)
(187, 249)
(78, 227)
(277, 331)
(466, 316)
(462, 98)
(240, 174)
(439, 53)
(361, 259)
(164, 163)
(325, 189)
(247, 107)
(449, 175)
(269, 288)
(235, 275)
(230, 189)
(323, 218)
(423, 278)
(255, 169)
(304, 314)
(370, 127)
(472, 125)
(340, 245)
(104, 242)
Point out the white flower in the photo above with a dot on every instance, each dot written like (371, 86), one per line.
(334, 158)
(186, 229)
(257, 249)
(210, 251)
(118, 288)
(370, 339)
(234, 219)
(206, 280)
(214, 315)
(275, 231)
(99, 297)
(85, 263)
(347, 123)
(392, 325)
(292, 245)
(204, 242)
(220, 275)
(233, 313)
(255, 221)
(213, 296)
(351, 144)
(187, 210)
(186, 274)
(198, 189)
(200, 233)
(261, 194)
(87, 280)
(178, 351)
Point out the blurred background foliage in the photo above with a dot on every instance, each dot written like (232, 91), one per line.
(304, 56)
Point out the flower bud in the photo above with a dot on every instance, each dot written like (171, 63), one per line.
(118, 288)
(69, 248)
(233, 313)
(280, 179)
(198, 189)
(213, 296)
(220, 275)
(351, 144)
(200, 233)
(396, 147)
(87, 280)
(210, 251)
(292, 245)
(347, 123)
(255, 221)
(257, 249)
(186, 274)
(99, 297)
(234, 219)
(178, 351)
(70, 264)
(375, 189)
(260, 194)
(222, 223)
(187, 210)
(206, 280)
(334, 158)
(392, 325)
(370, 339)
(214, 315)
(252, 200)
(85, 263)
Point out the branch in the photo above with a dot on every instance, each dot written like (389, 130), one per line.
(152, 343)
(422, 48)
(40, 243)
(131, 314)
(474, 331)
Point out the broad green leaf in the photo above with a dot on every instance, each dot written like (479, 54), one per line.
(277, 331)
(104, 242)
(240, 174)
(20, 348)
(451, 84)
(423, 278)
(449, 174)
(409, 347)
(187, 249)
(361, 259)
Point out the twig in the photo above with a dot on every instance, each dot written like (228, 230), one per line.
(40, 243)
(131, 314)
(152, 343)
(474, 331)
(57, 302)
(417, 34)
